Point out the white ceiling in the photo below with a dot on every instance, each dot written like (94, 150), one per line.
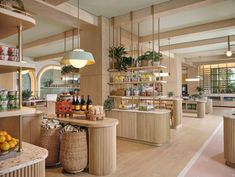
(109, 8)
(44, 27)
(112, 8)
(215, 12)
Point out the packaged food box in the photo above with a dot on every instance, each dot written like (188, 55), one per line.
(13, 51)
(4, 57)
(3, 50)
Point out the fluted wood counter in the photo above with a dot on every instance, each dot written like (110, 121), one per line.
(102, 143)
(149, 127)
(229, 140)
(30, 162)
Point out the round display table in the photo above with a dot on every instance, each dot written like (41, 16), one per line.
(229, 140)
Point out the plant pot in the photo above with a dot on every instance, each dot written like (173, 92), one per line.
(156, 63)
(145, 63)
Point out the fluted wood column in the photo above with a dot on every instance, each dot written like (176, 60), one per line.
(177, 113)
(229, 140)
(201, 109)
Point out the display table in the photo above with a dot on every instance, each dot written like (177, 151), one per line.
(149, 127)
(176, 111)
(195, 106)
(102, 143)
(30, 162)
(209, 106)
(229, 140)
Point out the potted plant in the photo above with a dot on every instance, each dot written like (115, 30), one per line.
(170, 94)
(122, 62)
(26, 94)
(150, 57)
(68, 69)
(109, 104)
(200, 90)
(196, 96)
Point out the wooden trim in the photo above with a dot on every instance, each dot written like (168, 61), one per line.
(56, 2)
(64, 13)
(192, 29)
(163, 9)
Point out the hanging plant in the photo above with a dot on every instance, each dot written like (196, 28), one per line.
(150, 56)
(119, 54)
(69, 69)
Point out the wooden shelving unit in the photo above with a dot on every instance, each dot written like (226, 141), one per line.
(13, 23)
(155, 82)
(157, 67)
(143, 82)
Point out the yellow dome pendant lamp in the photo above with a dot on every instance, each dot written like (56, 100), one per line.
(78, 58)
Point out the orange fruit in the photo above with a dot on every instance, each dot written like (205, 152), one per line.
(2, 138)
(8, 137)
(3, 133)
(5, 146)
(12, 144)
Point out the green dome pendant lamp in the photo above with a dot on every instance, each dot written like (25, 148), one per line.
(78, 58)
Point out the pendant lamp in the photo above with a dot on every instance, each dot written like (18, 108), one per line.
(78, 58)
(229, 52)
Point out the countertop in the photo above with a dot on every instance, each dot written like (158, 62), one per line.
(158, 111)
(107, 122)
(31, 154)
(230, 115)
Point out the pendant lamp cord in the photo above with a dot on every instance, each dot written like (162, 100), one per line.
(169, 46)
(78, 23)
(64, 41)
(228, 43)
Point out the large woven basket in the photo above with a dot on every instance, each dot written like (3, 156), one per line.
(73, 151)
(50, 140)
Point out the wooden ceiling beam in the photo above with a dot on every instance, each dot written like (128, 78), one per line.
(56, 2)
(50, 39)
(192, 30)
(203, 42)
(49, 57)
(163, 9)
(64, 13)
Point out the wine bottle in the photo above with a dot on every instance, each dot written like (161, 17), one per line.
(73, 103)
(83, 103)
(89, 102)
(77, 105)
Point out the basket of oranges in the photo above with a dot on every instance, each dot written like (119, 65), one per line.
(7, 143)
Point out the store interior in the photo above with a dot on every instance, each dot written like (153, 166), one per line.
(117, 88)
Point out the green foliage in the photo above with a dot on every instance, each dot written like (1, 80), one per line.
(48, 83)
(170, 94)
(196, 96)
(26, 94)
(150, 55)
(109, 104)
(68, 69)
(200, 90)
(119, 53)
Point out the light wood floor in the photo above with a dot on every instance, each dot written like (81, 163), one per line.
(138, 160)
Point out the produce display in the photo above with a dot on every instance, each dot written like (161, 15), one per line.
(9, 100)
(7, 143)
(9, 53)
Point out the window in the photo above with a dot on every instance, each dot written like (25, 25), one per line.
(218, 78)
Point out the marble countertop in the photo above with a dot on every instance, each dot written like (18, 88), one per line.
(31, 154)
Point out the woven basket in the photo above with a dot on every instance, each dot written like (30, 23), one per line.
(50, 140)
(73, 151)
